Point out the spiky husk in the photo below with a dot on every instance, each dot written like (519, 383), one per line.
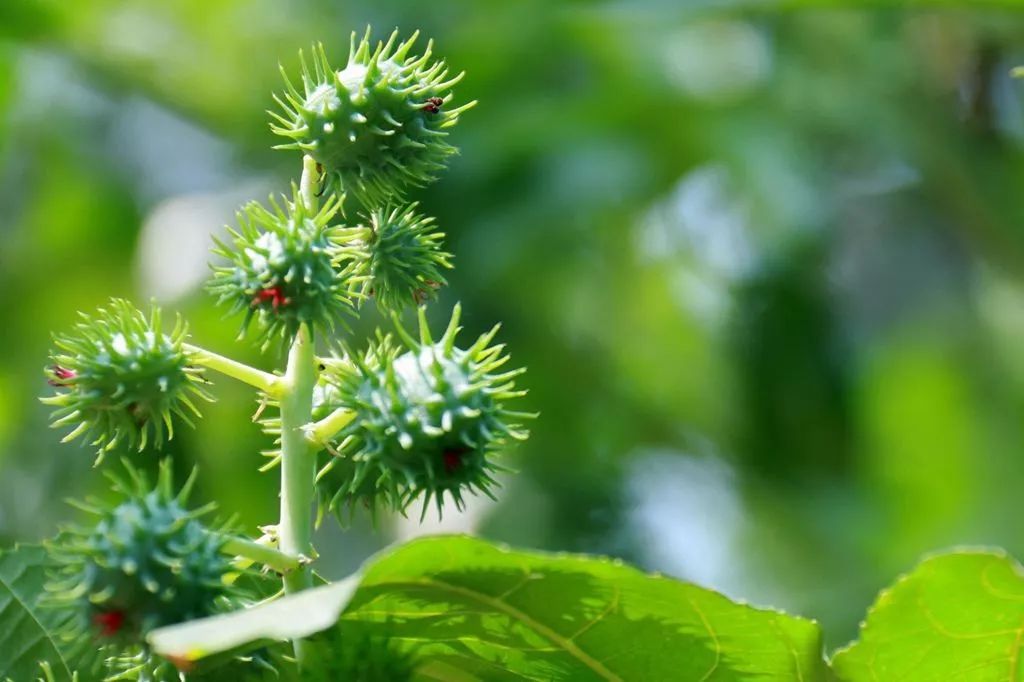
(427, 421)
(348, 652)
(326, 399)
(283, 269)
(399, 256)
(147, 562)
(378, 126)
(121, 379)
(140, 665)
(46, 674)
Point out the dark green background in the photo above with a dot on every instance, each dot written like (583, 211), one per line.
(764, 264)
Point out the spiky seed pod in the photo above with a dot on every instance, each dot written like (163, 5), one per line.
(121, 379)
(427, 421)
(378, 126)
(281, 270)
(147, 562)
(352, 653)
(326, 399)
(400, 257)
(337, 493)
(342, 486)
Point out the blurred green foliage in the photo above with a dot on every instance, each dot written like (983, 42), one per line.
(764, 266)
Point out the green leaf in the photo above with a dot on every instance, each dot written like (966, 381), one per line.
(465, 605)
(469, 611)
(290, 617)
(955, 617)
(29, 631)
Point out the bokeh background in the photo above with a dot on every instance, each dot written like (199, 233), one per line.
(765, 266)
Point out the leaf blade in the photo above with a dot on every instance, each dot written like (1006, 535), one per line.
(463, 604)
(28, 633)
(955, 616)
(483, 608)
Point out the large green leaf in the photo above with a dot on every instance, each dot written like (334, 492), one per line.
(472, 611)
(487, 613)
(954, 617)
(28, 631)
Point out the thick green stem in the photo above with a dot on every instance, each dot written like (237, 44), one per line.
(264, 381)
(298, 463)
(298, 459)
(254, 551)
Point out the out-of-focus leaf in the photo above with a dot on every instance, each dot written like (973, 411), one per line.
(29, 630)
(954, 617)
(496, 614)
(291, 617)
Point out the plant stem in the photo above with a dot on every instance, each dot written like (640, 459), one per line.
(298, 459)
(318, 433)
(307, 186)
(268, 556)
(264, 381)
(298, 463)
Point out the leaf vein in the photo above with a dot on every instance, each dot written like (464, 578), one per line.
(521, 616)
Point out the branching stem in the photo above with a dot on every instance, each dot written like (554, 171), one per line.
(320, 432)
(264, 381)
(264, 554)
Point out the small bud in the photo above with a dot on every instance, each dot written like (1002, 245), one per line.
(400, 258)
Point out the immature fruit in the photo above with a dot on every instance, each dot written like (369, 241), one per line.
(378, 125)
(146, 563)
(349, 652)
(282, 270)
(400, 257)
(121, 378)
(427, 422)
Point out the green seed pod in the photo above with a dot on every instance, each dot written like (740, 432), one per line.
(282, 270)
(326, 399)
(146, 563)
(121, 378)
(426, 422)
(351, 653)
(378, 125)
(400, 257)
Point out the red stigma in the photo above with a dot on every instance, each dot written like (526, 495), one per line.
(272, 294)
(433, 105)
(109, 622)
(453, 460)
(61, 376)
(420, 296)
